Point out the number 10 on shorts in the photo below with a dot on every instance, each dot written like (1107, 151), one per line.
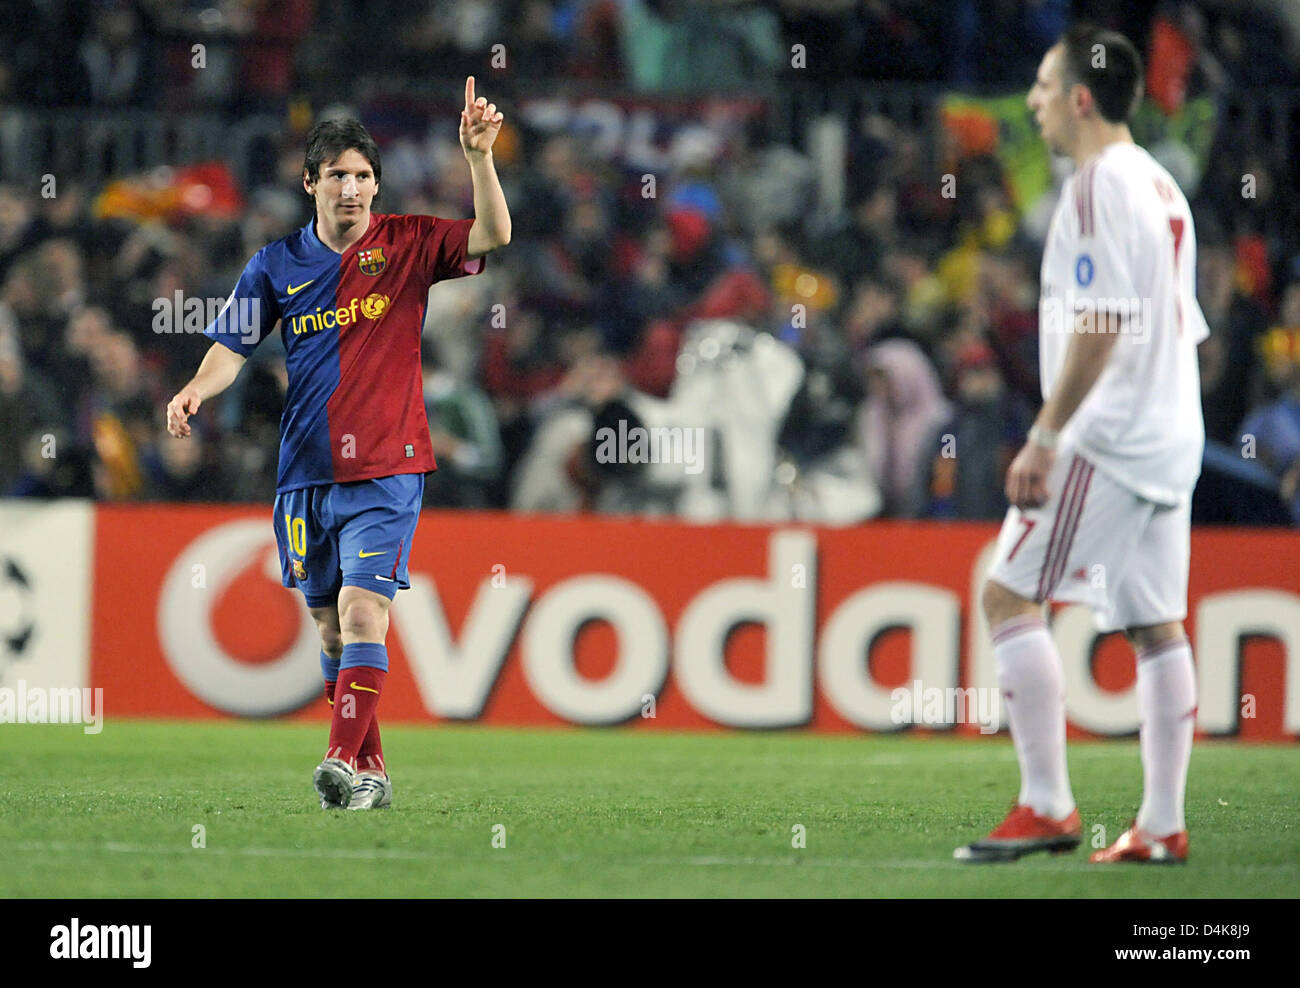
(296, 530)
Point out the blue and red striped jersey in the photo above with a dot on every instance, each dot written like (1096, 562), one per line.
(351, 326)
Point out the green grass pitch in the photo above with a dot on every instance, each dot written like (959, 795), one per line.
(600, 813)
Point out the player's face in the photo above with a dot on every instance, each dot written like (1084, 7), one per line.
(1048, 102)
(345, 189)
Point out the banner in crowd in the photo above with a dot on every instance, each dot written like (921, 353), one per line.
(178, 611)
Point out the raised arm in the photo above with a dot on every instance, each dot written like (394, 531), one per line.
(479, 125)
(218, 371)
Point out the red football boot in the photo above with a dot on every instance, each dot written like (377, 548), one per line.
(1138, 846)
(1023, 832)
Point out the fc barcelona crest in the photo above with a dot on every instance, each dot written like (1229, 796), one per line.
(371, 261)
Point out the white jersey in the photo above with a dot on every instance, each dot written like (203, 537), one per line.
(1122, 240)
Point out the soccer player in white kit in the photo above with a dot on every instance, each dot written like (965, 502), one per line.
(1101, 491)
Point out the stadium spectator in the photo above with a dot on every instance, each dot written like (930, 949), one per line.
(117, 58)
(54, 466)
(551, 475)
(28, 410)
(856, 248)
(986, 433)
(1228, 357)
(121, 412)
(1008, 308)
(177, 470)
(765, 184)
(1273, 431)
(872, 313)
(748, 222)
(671, 45)
(466, 440)
(901, 422)
(19, 230)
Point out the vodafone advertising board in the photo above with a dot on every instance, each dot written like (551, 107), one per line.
(656, 624)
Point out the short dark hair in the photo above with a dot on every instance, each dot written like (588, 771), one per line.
(1115, 78)
(330, 138)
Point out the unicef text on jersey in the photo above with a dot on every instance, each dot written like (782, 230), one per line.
(232, 317)
(1074, 314)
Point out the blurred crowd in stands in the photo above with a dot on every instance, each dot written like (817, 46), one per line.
(881, 360)
(140, 52)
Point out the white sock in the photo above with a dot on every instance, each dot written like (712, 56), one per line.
(1166, 688)
(1033, 688)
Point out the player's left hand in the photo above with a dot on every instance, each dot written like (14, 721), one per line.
(1027, 476)
(479, 122)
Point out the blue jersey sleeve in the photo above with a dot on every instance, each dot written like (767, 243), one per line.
(249, 312)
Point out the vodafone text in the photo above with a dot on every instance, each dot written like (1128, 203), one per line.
(814, 652)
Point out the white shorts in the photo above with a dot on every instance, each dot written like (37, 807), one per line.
(1097, 543)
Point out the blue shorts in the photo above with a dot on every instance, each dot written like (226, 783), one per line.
(356, 534)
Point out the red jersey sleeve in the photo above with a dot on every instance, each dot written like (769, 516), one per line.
(444, 247)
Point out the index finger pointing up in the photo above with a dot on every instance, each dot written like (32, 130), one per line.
(469, 93)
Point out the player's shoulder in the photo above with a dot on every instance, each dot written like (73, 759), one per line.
(1124, 168)
(1114, 169)
(413, 225)
(396, 224)
(292, 245)
(263, 262)
(1080, 196)
(1121, 180)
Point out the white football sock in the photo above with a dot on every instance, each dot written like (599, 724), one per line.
(1166, 689)
(1033, 688)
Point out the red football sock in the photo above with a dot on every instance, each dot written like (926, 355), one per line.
(370, 756)
(355, 699)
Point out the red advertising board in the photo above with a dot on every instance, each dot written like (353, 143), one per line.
(654, 624)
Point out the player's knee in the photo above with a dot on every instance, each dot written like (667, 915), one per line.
(363, 617)
(327, 626)
(331, 641)
(1153, 635)
(1000, 604)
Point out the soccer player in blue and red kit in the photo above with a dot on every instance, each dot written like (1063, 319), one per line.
(349, 291)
